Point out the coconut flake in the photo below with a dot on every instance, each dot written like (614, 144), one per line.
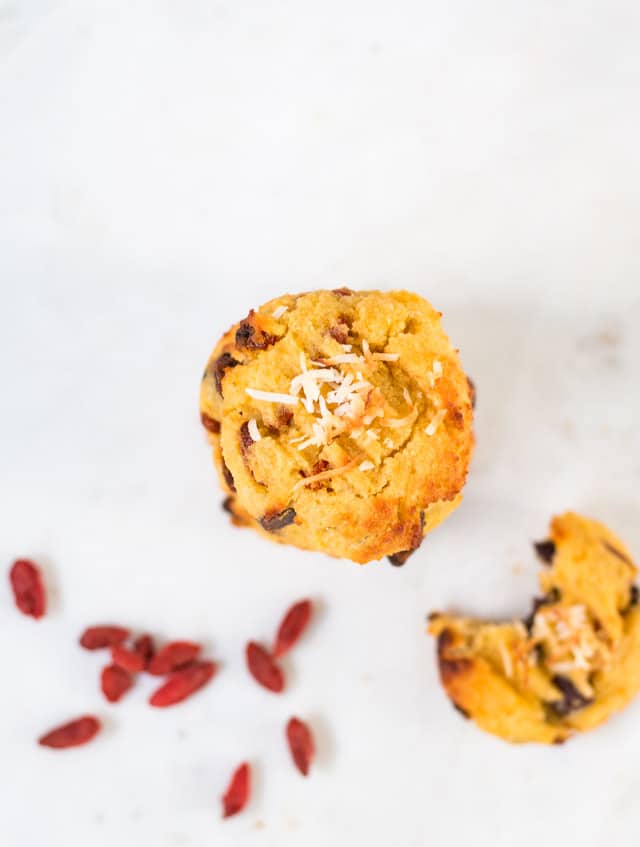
(385, 357)
(366, 466)
(396, 423)
(325, 474)
(279, 312)
(506, 660)
(272, 397)
(435, 422)
(254, 432)
(344, 359)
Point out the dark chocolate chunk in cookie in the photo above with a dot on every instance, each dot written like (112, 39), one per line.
(572, 699)
(546, 550)
(273, 521)
(223, 362)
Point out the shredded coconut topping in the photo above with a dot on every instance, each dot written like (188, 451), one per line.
(343, 402)
(366, 466)
(279, 312)
(308, 480)
(254, 432)
(435, 422)
(272, 397)
(569, 639)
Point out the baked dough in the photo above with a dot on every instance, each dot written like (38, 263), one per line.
(571, 664)
(340, 421)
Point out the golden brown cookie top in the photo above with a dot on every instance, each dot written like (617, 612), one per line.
(344, 412)
(572, 663)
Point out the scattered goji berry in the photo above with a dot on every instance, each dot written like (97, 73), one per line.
(238, 791)
(144, 645)
(71, 734)
(300, 744)
(115, 682)
(98, 637)
(182, 684)
(173, 657)
(263, 668)
(293, 625)
(125, 657)
(28, 588)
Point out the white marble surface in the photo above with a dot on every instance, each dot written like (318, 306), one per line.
(165, 166)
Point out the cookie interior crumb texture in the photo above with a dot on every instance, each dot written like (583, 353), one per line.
(567, 667)
(340, 421)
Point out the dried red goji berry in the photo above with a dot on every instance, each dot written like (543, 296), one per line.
(182, 684)
(97, 637)
(71, 734)
(28, 588)
(238, 791)
(172, 657)
(115, 682)
(293, 625)
(263, 668)
(144, 645)
(130, 660)
(300, 744)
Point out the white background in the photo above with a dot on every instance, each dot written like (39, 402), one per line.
(164, 166)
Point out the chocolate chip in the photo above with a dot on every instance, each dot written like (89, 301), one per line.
(445, 639)
(222, 363)
(462, 711)
(249, 336)
(285, 416)
(342, 292)
(228, 476)
(245, 436)
(616, 552)
(320, 467)
(273, 521)
(210, 423)
(634, 598)
(472, 392)
(417, 537)
(340, 332)
(399, 559)
(572, 699)
(546, 550)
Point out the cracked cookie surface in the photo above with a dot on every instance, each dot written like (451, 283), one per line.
(567, 667)
(340, 421)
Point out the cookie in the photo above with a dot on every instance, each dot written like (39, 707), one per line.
(340, 421)
(567, 667)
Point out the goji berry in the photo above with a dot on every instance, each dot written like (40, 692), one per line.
(173, 657)
(72, 734)
(238, 791)
(28, 588)
(182, 684)
(263, 668)
(144, 645)
(130, 660)
(301, 744)
(293, 625)
(115, 682)
(98, 637)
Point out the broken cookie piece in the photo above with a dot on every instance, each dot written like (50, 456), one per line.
(571, 664)
(341, 421)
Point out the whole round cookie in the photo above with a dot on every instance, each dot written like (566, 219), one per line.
(571, 664)
(340, 421)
